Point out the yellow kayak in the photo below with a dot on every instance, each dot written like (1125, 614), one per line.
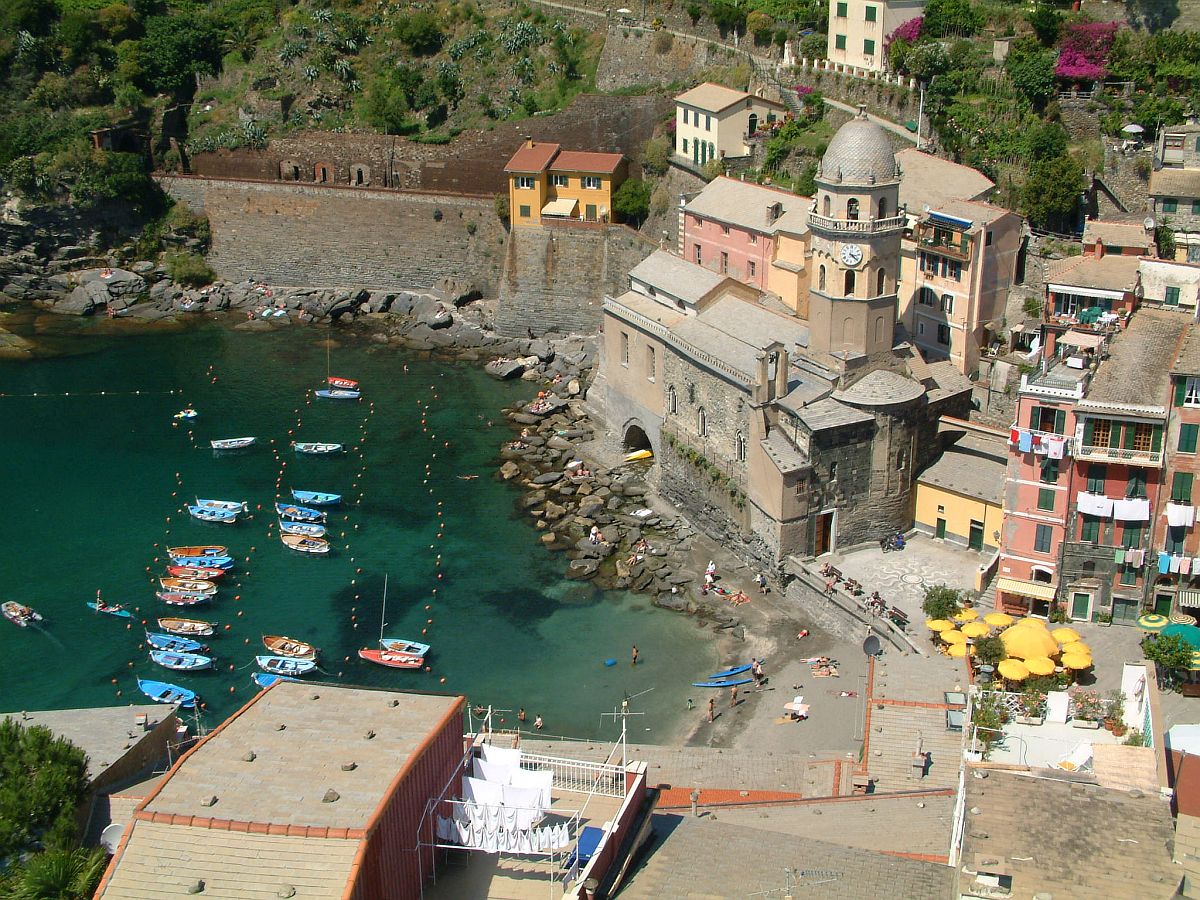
(639, 454)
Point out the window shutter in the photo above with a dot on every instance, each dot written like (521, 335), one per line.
(1180, 391)
(1127, 430)
(1187, 437)
(1033, 417)
(1156, 439)
(1089, 426)
(1060, 420)
(1181, 487)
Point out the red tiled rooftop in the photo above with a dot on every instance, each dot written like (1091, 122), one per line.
(585, 161)
(533, 158)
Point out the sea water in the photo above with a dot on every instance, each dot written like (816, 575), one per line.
(96, 472)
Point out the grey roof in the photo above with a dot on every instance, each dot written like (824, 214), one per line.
(105, 734)
(1116, 234)
(947, 379)
(786, 456)
(1175, 183)
(1138, 370)
(1187, 362)
(928, 178)
(880, 388)
(671, 275)
(1069, 839)
(745, 205)
(978, 213)
(860, 153)
(737, 330)
(1110, 272)
(829, 413)
(973, 467)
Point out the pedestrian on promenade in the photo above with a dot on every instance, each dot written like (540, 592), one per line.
(712, 708)
(635, 654)
(733, 697)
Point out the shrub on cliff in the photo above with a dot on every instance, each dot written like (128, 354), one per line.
(420, 33)
(632, 201)
(42, 782)
(189, 269)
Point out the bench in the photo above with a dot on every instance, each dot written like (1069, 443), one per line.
(1190, 690)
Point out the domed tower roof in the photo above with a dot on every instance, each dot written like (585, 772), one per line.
(860, 153)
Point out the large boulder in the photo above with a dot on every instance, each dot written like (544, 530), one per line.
(113, 282)
(504, 368)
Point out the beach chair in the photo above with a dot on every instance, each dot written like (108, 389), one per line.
(1078, 760)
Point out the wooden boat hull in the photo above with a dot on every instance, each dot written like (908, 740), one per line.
(347, 384)
(165, 692)
(308, 529)
(175, 644)
(190, 627)
(118, 611)
(181, 662)
(233, 506)
(391, 660)
(233, 443)
(187, 586)
(175, 598)
(279, 645)
(305, 544)
(316, 498)
(294, 513)
(18, 614)
(337, 394)
(196, 573)
(285, 665)
(403, 646)
(217, 562)
(217, 516)
(315, 449)
(199, 550)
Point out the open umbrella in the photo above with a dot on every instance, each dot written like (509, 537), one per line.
(938, 624)
(999, 620)
(1012, 670)
(1031, 622)
(1189, 633)
(959, 650)
(1076, 661)
(1133, 128)
(953, 637)
(1077, 647)
(966, 615)
(1040, 665)
(1065, 635)
(975, 629)
(1028, 641)
(1195, 664)
(1152, 622)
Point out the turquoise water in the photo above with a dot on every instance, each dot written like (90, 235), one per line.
(94, 484)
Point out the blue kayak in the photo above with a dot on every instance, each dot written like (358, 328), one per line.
(119, 611)
(316, 498)
(721, 684)
(736, 670)
(174, 643)
(212, 562)
(164, 692)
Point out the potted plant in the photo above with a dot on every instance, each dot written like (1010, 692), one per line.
(1116, 713)
(1033, 708)
(1088, 710)
(1104, 619)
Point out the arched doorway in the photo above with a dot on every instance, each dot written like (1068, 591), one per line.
(636, 439)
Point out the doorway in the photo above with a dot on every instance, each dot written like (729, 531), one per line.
(589, 212)
(824, 541)
(1162, 604)
(1081, 606)
(940, 529)
(636, 439)
(975, 537)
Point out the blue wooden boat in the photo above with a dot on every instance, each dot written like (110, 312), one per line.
(314, 448)
(265, 680)
(164, 692)
(285, 665)
(720, 684)
(402, 645)
(235, 506)
(337, 394)
(316, 498)
(181, 662)
(186, 413)
(110, 609)
(215, 562)
(307, 529)
(294, 513)
(174, 644)
(207, 514)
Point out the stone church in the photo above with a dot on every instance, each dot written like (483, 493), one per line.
(788, 432)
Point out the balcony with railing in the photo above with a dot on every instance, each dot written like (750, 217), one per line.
(1045, 436)
(857, 226)
(1127, 455)
(954, 244)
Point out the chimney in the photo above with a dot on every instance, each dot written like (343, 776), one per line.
(528, 140)
(1099, 248)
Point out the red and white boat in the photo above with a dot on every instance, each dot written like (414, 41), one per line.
(392, 660)
(196, 573)
(348, 384)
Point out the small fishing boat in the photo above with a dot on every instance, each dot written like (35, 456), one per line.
(348, 384)
(338, 394)
(175, 643)
(285, 665)
(110, 609)
(316, 498)
(206, 514)
(194, 627)
(307, 529)
(188, 586)
(163, 692)
(392, 660)
(225, 563)
(313, 448)
(203, 573)
(181, 662)
(186, 413)
(237, 506)
(294, 513)
(180, 598)
(401, 645)
(305, 544)
(199, 550)
(286, 646)
(233, 443)
(721, 684)
(264, 680)
(19, 614)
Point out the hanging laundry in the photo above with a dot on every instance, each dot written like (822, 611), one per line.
(1025, 442)
(1185, 566)
(1174, 565)
(1014, 435)
(1135, 558)
(1055, 447)
(1180, 516)
(1040, 445)
(1132, 509)
(1119, 556)
(1094, 504)
(1164, 563)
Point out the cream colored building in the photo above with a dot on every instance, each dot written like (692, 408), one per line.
(714, 122)
(1169, 283)
(858, 30)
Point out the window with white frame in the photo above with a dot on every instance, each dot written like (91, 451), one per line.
(525, 182)
(591, 182)
(559, 180)
(1192, 395)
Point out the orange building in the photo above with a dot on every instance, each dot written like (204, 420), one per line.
(547, 182)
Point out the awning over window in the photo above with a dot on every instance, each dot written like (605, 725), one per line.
(1036, 589)
(1082, 339)
(1190, 599)
(564, 207)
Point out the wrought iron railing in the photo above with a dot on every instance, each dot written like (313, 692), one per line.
(1119, 454)
(606, 779)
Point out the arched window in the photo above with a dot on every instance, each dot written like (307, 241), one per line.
(712, 151)
(821, 278)
(849, 291)
(826, 207)
(899, 460)
(672, 401)
(852, 209)
(882, 207)
(879, 329)
(880, 283)
(739, 447)
(752, 123)
(701, 422)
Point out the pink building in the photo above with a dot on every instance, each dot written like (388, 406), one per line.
(731, 228)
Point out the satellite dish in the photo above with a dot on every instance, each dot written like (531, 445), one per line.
(1148, 223)
(871, 646)
(110, 837)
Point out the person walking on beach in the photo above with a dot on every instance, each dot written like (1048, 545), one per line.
(712, 708)
(733, 697)
(761, 579)
(635, 654)
(756, 670)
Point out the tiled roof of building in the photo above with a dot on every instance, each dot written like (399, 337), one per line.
(1068, 839)
(925, 178)
(1175, 183)
(1187, 361)
(668, 273)
(586, 161)
(1117, 234)
(1137, 372)
(748, 205)
(1110, 272)
(718, 98)
(880, 388)
(973, 467)
(780, 450)
(533, 156)
(860, 152)
(975, 212)
(829, 413)
(105, 733)
(735, 331)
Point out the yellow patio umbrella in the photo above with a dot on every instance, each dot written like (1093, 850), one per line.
(953, 637)
(999, 619)
(966, 615)
(938, 624)
(1065, 635)
(1077, 647)
(1028, 641)
(960, 650)
(1040, 665)
(1076, 661)
(975, 629)
(1031, 622)
(1195, 664)
(1012, 670)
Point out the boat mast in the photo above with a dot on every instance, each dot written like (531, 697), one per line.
(383, 611)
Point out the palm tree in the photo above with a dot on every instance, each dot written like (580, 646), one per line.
(55, 875)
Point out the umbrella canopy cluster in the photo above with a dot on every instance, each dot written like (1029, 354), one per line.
(1030, 645)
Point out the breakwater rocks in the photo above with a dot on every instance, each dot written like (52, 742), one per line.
(598, 519)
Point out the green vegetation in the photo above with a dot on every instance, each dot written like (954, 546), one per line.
(989, 650)
(42, 782)
(941, 602)
(189, 269)
(59, 874)
(632, 201)
(1170, 651)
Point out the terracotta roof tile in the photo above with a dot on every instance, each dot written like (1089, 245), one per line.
(585, 161)
(533, 158)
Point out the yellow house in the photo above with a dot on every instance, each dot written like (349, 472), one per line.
(959, 499)
(547, 182)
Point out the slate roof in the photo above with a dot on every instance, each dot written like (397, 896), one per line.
(926, 177)
(860, 152)
(1107, 273)
(105, 733)
(978, 213)
(1175, 183)
(668, 273)
(1069, 839)
(1117, 234)
(736, 331)
(829, 413)
(972, 467)
(1187, 361)
(1137, 372)
(744, 205)
(881, 388)
(783, 453)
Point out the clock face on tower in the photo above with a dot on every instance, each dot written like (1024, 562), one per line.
(852, 254)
